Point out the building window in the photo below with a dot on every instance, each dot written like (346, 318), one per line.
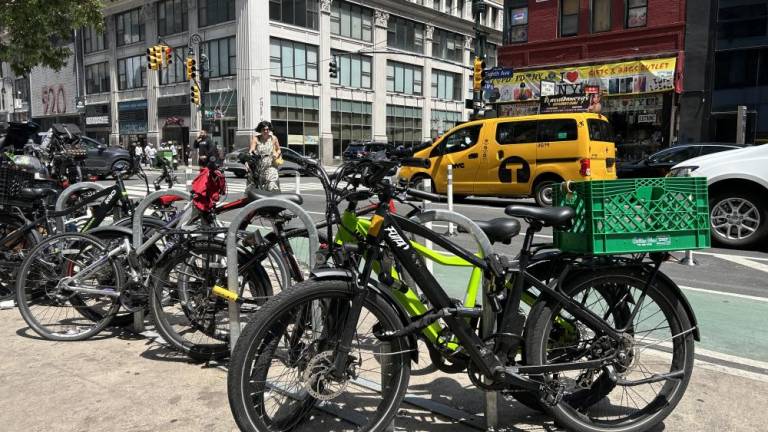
(177, 71)
(93, 40)
(741, 21)
(403, 78)
(172, 17)
(354, 70)
(517, 19)
(302, 13)
(637, 13)
(403, 125)
(494, 17)
(569, 17)
(448, 45)
(132, 72)
(601, 16)
(222, 57)
(738, 69)
(443, 121)
(446, 85)
(97, 78)
(22, 89)
(350, 121)
(405, 34)
(296, 122)
(352, 21)
(130, 27)
(491, 53)
(210, 12)
(290, 59)
(436, 5)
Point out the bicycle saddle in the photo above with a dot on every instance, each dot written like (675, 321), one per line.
(36, 193)
(254, 194)
(552, 216)
(500, 229)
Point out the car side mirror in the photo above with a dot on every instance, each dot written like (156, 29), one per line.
(101, 147)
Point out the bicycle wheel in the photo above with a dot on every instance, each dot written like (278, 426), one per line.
(47, 301)
(658, 341)
(12, 255)
(281, 377)
(183, 308)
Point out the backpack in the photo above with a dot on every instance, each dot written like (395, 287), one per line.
(207, 189)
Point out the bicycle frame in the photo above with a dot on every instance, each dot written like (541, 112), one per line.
(391, 229)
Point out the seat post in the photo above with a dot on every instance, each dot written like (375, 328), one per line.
(533, 227)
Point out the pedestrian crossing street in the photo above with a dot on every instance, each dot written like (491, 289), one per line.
(235, 187)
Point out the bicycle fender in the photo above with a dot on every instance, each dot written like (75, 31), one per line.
(346, 275)
(686, 305)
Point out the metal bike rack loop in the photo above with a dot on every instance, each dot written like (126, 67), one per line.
(66, 193)
(138, 235)
(461, 221)
(232, 273)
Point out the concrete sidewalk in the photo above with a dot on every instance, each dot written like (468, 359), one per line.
(123, 382)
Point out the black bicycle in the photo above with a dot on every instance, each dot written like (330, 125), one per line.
(608, 345)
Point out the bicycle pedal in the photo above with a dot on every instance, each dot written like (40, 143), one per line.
(552, 396)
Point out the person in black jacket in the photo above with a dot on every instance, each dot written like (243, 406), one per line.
(207, 152)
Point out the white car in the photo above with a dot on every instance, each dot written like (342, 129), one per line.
(738, 193)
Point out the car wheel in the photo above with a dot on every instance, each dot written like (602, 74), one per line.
(738, 219)
(544, 193)
(417, 182)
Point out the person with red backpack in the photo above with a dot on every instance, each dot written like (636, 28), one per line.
(208, 188)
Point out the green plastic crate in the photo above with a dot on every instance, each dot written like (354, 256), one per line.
(636, 215)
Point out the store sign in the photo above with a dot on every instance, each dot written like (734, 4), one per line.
(518, 109)
(646, 118)
(97, 120)
(624, 78)
(548, 88)
(635, 103)
(132, 105)
(133, 127)
(559, 104)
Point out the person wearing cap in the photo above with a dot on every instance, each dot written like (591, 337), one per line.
(266, 148)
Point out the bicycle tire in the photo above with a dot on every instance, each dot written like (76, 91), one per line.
(29, 294)
(577, 411)
(252, 357)
(192, 330)
(8, 224)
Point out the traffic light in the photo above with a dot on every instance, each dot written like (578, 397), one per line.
(478, 74)
(191, 69)
(333, 68)
(168, 55)
(194, 94)
(152, 63)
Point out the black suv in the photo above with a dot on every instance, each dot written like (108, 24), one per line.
(359, 149)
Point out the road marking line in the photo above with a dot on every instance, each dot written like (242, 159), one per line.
(741, 296)
(719, 255)
(745, 261)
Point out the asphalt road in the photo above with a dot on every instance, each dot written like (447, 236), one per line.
(727, 288)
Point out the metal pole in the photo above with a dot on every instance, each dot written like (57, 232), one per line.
(427, 183)
(478, 7)
(298, 183)
(741, 125)
(450, 197)
(387, 370)
(187, 177)
(689, 260)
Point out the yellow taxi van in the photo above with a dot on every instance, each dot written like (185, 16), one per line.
(519, 156)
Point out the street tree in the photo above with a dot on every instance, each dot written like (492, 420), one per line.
(34, 32)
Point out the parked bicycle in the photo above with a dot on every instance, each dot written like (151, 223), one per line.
(592, 341)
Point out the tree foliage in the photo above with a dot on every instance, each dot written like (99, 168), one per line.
(35, 32)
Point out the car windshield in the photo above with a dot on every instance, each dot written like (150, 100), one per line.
(355, 148)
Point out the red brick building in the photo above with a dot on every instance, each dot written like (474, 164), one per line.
(631, 49)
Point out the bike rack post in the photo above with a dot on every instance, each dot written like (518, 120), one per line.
(491, 398)
(66, 193)
(689, 260)
(232, 275)
(450, 198)
(138, 235)
(427, 185)
(387, 370)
